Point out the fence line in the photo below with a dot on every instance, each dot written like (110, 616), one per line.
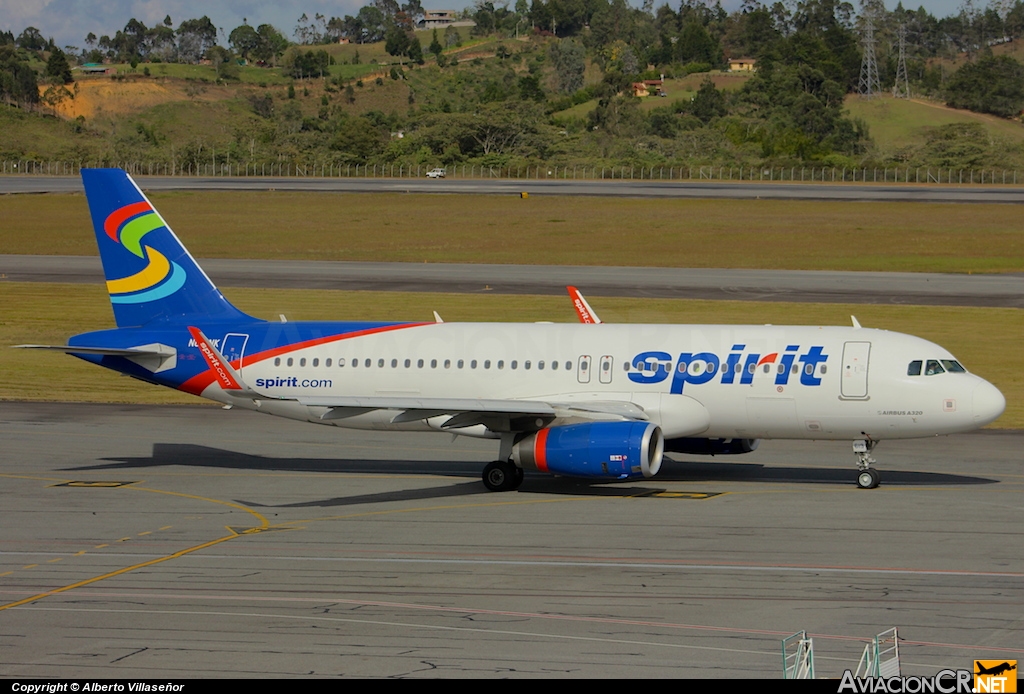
(792, 174)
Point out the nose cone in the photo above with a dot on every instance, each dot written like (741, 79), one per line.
(988, 403)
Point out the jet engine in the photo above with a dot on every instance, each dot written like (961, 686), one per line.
(616, 450)
(711, 446)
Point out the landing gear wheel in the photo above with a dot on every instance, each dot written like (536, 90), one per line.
(502, 476)
(868, 479)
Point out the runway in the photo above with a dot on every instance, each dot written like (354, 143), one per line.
(732, 190)
(165, 542)
(686, 283)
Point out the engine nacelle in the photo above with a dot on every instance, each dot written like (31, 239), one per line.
(617, 450)
(711, 446)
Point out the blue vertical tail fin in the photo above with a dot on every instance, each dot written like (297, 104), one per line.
(150, 275)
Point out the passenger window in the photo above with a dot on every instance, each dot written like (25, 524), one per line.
(328, 362)
(767, 368)
(527, 365)
(568, 366)
(408, 363)
(367, 363)
(808, 369)
(460, 364)
(554, 366)
(302, 362)
(514, 364)
(341, 362)
(433, 363)
(447, 363)
(472, 364)
(380, 364)
(540, 365)
(394, 363)
(355, 362)
(487, 363)
(933, 367)
(823, 370)
(316, 362)
(419, 363)
(277, 361)
(501, 363)
(290, 361)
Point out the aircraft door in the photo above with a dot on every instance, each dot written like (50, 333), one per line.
(583, 369)
(606, 369)
(856, 356)
(233, 348)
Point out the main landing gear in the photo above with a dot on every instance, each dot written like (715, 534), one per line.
(867, 476)
(502, 476)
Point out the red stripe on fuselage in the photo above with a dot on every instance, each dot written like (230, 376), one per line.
(540, 455)
(118, 216)
(198, 383)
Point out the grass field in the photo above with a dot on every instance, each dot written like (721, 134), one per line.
(549, 230)
(896, 123)
(48, 313)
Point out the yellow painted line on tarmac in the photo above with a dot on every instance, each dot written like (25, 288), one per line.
(118, 572)
(30, 566)
(6, 573)
(53, 561)
(232, 534)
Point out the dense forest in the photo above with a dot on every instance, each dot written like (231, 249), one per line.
(549, 81)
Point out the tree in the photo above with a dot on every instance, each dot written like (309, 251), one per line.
(568, 59)
(18, 83)
(244, 40)
(991, 85)
(195, 37)
(396, 41)
(272, 43)
(57, 67)
(435, 46)
(31, 40)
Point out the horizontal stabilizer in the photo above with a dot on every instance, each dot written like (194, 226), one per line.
(155, 357)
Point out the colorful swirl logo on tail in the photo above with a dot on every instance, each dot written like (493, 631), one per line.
(161, 277)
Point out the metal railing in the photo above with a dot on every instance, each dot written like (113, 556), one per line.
(791, 174)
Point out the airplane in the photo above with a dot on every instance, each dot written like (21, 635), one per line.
(995, 669)
(590, 400)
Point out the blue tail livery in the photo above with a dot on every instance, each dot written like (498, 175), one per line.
(150, 275)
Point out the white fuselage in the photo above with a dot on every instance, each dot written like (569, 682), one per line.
(709, 381)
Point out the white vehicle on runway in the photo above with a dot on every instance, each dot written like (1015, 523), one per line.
(594, 400)
(435, 173)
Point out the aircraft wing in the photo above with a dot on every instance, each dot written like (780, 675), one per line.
(497, 415)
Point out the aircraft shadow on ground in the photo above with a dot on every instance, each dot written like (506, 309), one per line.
(702, 472)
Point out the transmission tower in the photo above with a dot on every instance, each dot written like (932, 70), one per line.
(901, 89)
(869, 85)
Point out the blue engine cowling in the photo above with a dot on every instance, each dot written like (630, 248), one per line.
(616, 450)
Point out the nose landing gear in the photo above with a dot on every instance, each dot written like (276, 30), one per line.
(867, 476)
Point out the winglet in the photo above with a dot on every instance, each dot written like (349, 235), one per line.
(583, 309)
(856, 323)
(224, 374)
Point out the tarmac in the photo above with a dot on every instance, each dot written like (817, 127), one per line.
(172, 542)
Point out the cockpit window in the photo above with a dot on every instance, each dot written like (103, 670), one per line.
(914, 369)
(953, 366)
(933, 367)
